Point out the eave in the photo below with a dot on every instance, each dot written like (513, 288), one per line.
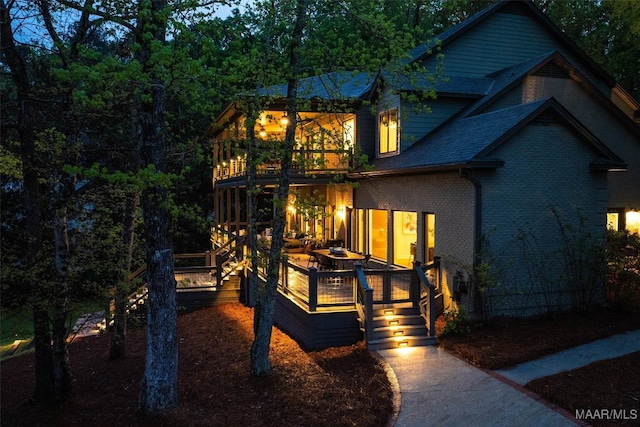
(471, 164)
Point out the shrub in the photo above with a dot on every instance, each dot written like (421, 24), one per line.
(623, 274)
(456, 322)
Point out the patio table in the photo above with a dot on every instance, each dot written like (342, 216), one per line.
(338, 259)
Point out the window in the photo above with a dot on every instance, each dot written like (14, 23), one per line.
(378, 227)
(388, 132)
(405, 233)
(613, 221)
(429, 237)
(360, 227)
(348, 133)
(632, 219)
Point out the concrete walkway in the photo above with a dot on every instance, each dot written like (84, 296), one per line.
(607, 348)
(437, 388)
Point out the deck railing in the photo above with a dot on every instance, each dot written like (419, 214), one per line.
(187, 278)
(318, 290)
(429, 291)
(304, 162)
(364, 303)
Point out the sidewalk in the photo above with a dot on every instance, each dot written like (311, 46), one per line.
(437, 388)
(606, 348)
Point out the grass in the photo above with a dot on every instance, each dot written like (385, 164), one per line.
(17, 324)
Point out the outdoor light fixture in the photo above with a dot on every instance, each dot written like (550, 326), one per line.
(262, 133)
(284, 119)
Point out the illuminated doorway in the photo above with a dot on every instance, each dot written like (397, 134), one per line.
(378, 229)
(405, 233)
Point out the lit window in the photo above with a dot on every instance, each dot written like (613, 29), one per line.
(348, 133)
(633, 221)
(613, 219)
(389, 132)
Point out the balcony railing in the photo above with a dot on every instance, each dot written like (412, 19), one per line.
(305, 162)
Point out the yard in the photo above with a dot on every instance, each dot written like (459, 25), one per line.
(342, 386)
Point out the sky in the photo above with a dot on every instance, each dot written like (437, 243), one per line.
(224, 11)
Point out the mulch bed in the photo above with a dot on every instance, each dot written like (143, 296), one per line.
(506, 341)
(600, 387)
(343, 386)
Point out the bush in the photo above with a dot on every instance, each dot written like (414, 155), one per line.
(623, 275)
(456, 322)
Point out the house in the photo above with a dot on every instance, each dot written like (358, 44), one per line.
(528, 153)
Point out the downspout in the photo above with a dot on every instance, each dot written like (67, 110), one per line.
(477, 228)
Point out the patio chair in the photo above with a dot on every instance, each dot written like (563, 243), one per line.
(325, 263)
(312, 260)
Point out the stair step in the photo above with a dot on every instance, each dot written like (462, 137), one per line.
(406, 341)
(403, 330)
(382, 321)
(395, 311)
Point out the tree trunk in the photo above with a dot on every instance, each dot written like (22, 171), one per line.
(159, 385)
(31, 193)
(252, 196)
(61, 368)
(118, 347)
(264, 312)
(158, 390)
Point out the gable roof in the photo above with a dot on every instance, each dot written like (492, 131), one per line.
(526, 6)
(337, 85)
(506, 79)
(453, 86)
(469, 142)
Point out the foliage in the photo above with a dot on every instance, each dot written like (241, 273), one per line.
(456, 322)
(584, 260)
(623, 275)
(608, 31)
(585, 267)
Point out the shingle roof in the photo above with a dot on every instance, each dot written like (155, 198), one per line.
(332, 86)
(461, 141)
(504, 79)
(471, 141)
(454, 85)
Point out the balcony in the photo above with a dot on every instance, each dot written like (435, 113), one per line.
(305, 163)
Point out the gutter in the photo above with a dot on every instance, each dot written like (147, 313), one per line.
(449, 167)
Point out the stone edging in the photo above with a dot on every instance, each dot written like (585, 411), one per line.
(395, 388)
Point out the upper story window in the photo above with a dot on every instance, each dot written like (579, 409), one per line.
(388, 132)
(349, 133)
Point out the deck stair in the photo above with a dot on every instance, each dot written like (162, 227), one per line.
(398, 327)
